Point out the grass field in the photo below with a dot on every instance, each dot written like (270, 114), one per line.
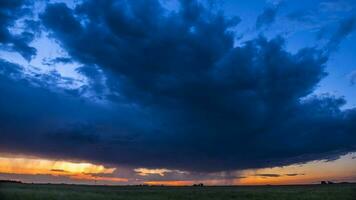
(9, 191)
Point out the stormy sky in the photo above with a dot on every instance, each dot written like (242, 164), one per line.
(186, 86)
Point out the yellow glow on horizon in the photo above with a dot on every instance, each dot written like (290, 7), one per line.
(42, 166)
(170, 183)
(73, 170)
(188, 182)
(146, 171)
(98, 178)
(343, 169)
(160, 172)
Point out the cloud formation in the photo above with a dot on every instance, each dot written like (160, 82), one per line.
(278, 175)
(352, 77)
(10, 12)
(182, 96)
(345, 28)
(267, 17)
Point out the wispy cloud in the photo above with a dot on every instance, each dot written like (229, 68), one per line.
(268, 16)
(352, 78)
(346, 27)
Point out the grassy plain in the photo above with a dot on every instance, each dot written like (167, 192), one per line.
(17, 191)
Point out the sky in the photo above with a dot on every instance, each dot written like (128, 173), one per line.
(178, 92)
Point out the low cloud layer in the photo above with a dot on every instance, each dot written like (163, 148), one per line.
(181, 95)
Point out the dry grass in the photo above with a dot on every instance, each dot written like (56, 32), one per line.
(13, 191)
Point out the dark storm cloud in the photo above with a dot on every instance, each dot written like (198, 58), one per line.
(10, 11)
(46, 123)
(267, 17)
(181, 95)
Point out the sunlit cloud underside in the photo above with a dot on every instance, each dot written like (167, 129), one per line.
(28, 169)
(72, 170)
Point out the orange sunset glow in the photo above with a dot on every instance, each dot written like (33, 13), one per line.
(73, 170)
(339, 170)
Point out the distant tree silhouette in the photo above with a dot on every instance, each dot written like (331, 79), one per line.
(9, 181)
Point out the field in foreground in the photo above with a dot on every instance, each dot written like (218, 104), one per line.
(10, 191)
